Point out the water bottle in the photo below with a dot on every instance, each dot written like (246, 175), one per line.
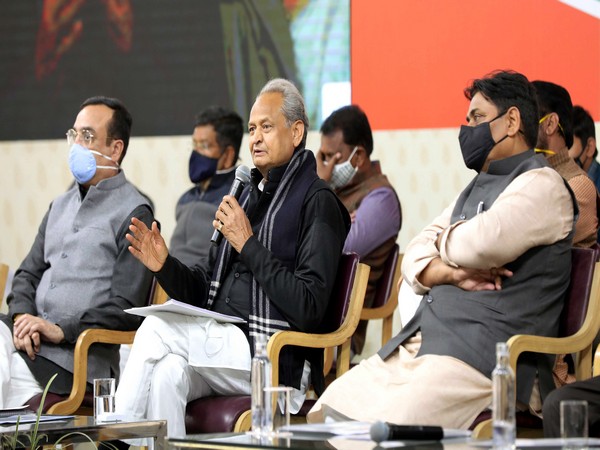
(503, 401)
(260, 378)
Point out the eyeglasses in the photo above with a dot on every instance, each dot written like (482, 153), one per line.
(86, 136)
(201, 145)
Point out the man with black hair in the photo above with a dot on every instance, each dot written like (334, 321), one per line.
(78, 273)
(584, 150)
(216, 139)
(344, 161)
(495, 263)
(555, 137)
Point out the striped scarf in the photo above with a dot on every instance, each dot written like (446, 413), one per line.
(264, 318)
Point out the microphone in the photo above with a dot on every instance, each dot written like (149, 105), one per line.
(242, 176)
(382, 431)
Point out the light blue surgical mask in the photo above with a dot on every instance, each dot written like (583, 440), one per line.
(83, 164)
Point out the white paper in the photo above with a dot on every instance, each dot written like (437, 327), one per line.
(31, 418)
(177, 307)
(350, 428)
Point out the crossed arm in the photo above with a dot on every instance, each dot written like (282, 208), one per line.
(535, 209)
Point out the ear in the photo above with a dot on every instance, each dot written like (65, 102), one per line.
(590, 147)
(513, 116)
(361, 156)
(229, 158)
(297, 132)
(117, 150)
(551, 124)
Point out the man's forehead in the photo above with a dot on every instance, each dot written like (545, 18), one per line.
(266, 106)
(480, 104)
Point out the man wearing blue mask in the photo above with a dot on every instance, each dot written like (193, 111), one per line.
(584, 150)
(344, 160)
(495, 263)
(216, 146)
(78, 273)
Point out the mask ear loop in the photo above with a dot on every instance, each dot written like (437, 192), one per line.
(105, 157)
(352, 156)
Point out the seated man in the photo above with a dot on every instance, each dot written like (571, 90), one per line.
(556, 135)
(78, 273)
(588, 390)
(371, 200)
(584, 150)
(495, 263)
(217, 138)
(275, 268)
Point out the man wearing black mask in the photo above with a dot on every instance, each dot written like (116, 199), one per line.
(216, 147)
(495, 263)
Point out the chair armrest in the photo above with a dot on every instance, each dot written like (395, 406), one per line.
(578, 342)
(596, 365)
(340, 337)
(80, 362)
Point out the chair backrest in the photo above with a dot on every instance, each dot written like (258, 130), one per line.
(3, 279)
(385, 285)
(583, 262)
(342, 291)
(225, 414)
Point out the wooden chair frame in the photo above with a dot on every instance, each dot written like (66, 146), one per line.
(386, 311)
(73, 404)
(579, 343)
(3, 280)
(340, 338)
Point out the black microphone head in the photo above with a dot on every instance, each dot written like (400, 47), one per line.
(242, 173)
(380, 431)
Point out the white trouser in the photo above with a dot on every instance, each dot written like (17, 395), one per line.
(176, 359)
(17, 383)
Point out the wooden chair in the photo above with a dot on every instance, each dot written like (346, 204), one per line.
(579, 325)
(386, 295)
(232, 413)
(80, 400)
(3, 280)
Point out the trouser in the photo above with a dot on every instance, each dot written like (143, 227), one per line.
(580, 390)
(17, 383)
(176, 359)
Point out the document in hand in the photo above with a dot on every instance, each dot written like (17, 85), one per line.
(177, 307)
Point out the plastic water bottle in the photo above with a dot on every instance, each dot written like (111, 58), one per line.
(503, 402)
(260, 378)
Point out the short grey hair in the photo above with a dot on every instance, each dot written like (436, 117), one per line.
(293, 108)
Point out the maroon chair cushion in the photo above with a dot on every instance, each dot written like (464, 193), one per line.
(52, 399)
(524, 419)
(219, 414)
(215, 414)
(384, 286)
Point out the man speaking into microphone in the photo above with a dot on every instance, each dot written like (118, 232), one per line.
(275, 268)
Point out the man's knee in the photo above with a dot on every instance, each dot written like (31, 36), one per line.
(170, 374)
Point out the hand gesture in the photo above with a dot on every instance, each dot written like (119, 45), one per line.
(232, 222)
(147, 245)
(325, 169)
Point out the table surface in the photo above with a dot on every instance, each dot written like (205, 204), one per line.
(230, 441)
(101, 431)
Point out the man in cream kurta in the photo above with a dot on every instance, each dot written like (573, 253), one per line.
(494, 263)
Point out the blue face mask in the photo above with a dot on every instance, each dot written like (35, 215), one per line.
(83, 164)
(201, 167)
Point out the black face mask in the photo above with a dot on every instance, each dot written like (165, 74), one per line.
(201, 167)
(476, 143)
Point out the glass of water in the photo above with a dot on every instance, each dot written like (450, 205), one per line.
(104, 398)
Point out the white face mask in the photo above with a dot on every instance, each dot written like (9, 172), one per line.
(343, 173)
